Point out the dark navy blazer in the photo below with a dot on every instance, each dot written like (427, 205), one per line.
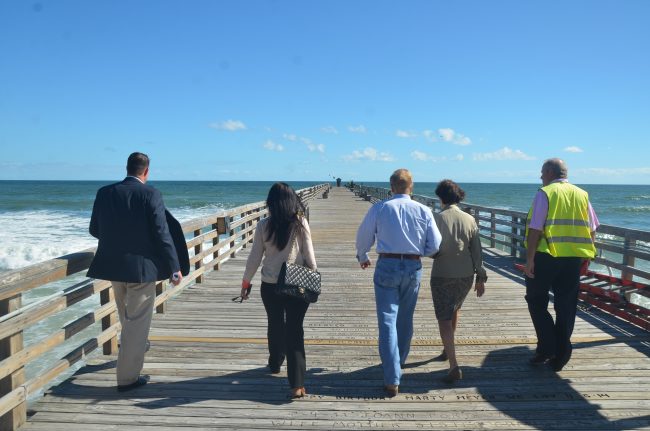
(135, 244)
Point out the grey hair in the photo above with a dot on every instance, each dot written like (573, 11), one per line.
(557, 167)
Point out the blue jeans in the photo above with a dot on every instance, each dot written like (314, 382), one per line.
(397, 283)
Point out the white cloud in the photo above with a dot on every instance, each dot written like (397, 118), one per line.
(430, 135)
(504, 153)
(290, 137)
(306, 141)
(450, 135)
(424, 157)
(272, 146)
(447, 135)
(405, 134)
(369, 153)
(316, 147)
(330, 129)
(419, 155)
(573, 149)
(229, 125)
(357, 129)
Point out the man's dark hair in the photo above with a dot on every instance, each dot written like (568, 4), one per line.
(137, 164)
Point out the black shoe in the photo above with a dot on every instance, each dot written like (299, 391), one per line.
(540, 358)
(454, 374)
(273, 370)
(556, 364)
(441, 357)
(142, 380)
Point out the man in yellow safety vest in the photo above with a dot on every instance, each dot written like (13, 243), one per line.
(560, 231)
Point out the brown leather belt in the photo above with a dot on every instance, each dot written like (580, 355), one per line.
(400, 256)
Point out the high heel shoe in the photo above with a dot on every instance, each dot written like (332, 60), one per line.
(453, 375)
(298, 393)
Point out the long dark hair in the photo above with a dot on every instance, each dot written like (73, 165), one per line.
(285, 209)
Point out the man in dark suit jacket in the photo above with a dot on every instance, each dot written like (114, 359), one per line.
(135, 250)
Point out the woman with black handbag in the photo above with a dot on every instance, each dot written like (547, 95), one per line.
(283, 231)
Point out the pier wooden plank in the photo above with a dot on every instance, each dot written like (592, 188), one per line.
(208, 354)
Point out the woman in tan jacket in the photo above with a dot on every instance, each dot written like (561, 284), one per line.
(454, 267)
(284, 230)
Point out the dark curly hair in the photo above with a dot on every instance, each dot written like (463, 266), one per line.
(449, 192)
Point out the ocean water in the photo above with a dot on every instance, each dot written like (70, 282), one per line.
(44, 219)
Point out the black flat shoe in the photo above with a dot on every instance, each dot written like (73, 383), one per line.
(540, 358)
(453, 375)
(441, 357)
(142, 380)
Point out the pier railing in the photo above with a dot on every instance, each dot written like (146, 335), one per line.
(618, 280)
(212, 239)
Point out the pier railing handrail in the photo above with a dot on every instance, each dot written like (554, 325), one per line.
(214, 239)
(619, 251)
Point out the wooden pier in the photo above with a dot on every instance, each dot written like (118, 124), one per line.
(208, 355)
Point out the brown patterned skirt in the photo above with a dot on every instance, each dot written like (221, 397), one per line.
(448, 294)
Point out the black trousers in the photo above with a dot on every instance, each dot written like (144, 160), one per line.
(561, 275)
(285, 334)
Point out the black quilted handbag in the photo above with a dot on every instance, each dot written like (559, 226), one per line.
(298, 281)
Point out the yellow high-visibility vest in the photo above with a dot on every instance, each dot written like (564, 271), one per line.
(567, 232)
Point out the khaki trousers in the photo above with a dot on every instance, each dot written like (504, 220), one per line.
(135, 308)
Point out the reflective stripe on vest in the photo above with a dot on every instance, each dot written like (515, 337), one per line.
(566, 232)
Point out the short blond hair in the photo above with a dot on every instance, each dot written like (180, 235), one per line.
(401, 181)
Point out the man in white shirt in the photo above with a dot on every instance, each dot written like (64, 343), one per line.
(405, 231)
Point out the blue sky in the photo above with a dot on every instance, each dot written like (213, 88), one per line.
(477, 91)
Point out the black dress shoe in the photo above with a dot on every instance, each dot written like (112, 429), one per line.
(273, 370)
(556, 364)
(142, 380)
(540, 358)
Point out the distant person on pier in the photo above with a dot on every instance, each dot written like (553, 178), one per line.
(405, 231)
(455, 265)
(283, 230)
(135, 250)
(560, 231)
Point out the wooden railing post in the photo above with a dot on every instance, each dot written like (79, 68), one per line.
(628, 259)
(105, 296)
(9, 346)
(493, 229)
(160, 289)
(232, 243)
(513, 240)
(197, 250)
(215, 241)
(249, 235)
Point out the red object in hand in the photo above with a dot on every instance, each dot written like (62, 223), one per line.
(584, 267)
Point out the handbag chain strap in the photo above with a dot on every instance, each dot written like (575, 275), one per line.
(293, 253)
